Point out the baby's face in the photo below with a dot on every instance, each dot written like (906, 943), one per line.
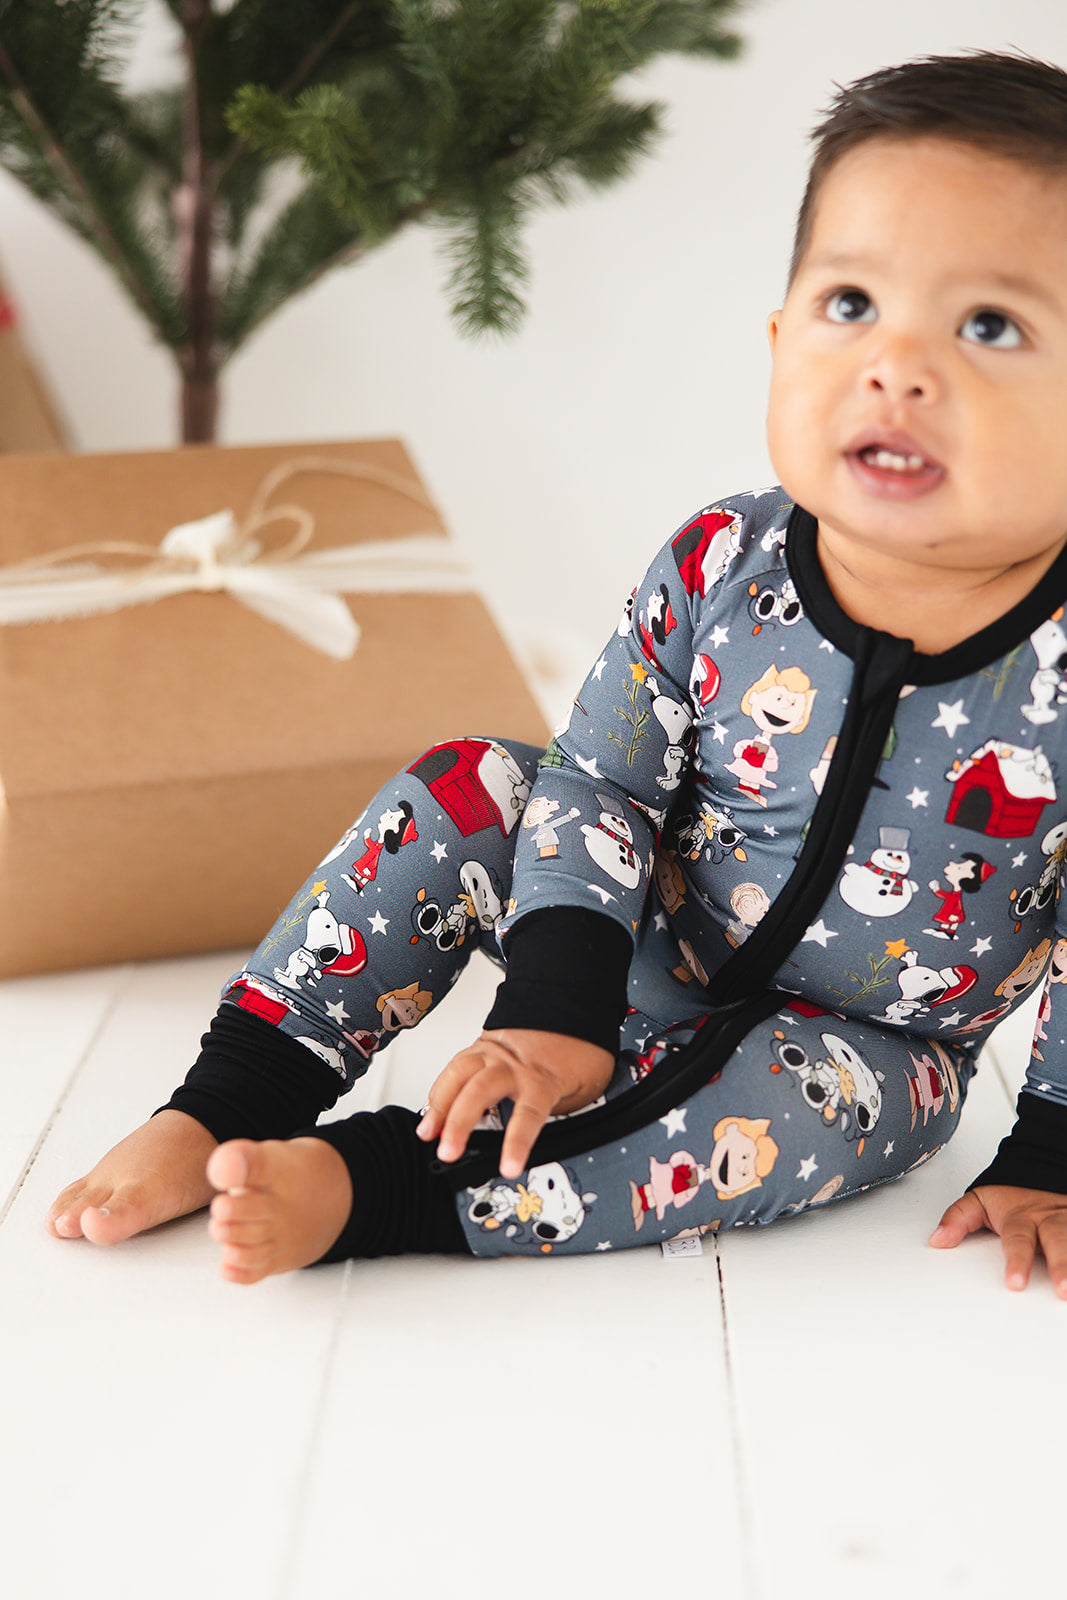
(918, 401)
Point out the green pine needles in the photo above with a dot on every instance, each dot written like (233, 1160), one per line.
(298, 134)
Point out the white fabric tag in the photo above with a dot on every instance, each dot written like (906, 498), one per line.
(674, 1248)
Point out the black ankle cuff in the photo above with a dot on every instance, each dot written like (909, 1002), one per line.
(398, 1203)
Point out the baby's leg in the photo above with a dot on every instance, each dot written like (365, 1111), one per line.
(376, 936)
(807, 1108)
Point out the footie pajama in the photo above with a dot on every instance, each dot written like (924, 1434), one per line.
(787, 869)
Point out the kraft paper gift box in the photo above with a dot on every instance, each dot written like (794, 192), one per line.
(28, 420)
(172, 770)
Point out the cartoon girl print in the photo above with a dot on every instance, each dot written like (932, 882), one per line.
(395, 829)
(404, 1008)
(1023, 977)
(779, 702)
(964, 877)
(743, 1155)
(1057, 973)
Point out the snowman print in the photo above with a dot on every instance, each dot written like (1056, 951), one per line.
(611, 844)
(881, 886)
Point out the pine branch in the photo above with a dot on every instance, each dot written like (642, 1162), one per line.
(76, 187)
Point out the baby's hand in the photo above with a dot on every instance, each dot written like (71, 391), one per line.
(1027, 1220)
(542, 1073)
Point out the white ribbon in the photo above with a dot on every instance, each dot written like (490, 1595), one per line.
(297, 589)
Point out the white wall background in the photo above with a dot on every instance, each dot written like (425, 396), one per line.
(635, 390)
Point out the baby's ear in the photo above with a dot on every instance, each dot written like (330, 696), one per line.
(773, 322)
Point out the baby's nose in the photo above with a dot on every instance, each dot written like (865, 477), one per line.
(902, 368)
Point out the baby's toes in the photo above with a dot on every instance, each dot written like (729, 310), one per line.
(231, 1225)
(99, 1213)
(64, 1216)
(247, 1263)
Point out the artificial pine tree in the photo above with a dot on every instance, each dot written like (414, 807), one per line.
(301, 133)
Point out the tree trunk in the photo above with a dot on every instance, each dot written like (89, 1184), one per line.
(195, 221)
(199, 406)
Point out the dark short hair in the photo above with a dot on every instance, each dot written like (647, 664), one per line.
(1010, 104)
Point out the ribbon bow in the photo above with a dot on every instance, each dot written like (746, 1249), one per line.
(297, 590)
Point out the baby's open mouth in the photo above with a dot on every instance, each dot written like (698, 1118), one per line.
(891, 461)
(893, 467)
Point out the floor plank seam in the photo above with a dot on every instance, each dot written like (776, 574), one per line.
(749, 1577)
(290, 1563)
(106, 1015)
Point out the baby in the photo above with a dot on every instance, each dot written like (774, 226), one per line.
(818, 695)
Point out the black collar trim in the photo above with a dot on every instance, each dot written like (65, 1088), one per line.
(970, 655)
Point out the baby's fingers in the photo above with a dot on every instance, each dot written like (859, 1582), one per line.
(966, 1215)
(484, 1089)
(1019, 1239)
(1052, 1234)
(525, 1123)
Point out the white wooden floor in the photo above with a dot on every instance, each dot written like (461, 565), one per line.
(822, 1409)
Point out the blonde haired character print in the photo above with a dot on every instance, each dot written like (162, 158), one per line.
(778, 702)
(744, 1154)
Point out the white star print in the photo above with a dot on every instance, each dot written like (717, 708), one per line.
(818, 933)
(808, 1167)
(599, 668)
(824, 644)
(719, 731)
(888, 1151)
(379, 923)
(336, 1010)
(659, 922)
(951, 718)
(605, 1244)
(674, 1121)
(439, 851)
(918, 797)
(950, 1022)
(720, 635)
(980, 947)
(770, 830)
(589, 766)
(603, 893)
(1017, 861)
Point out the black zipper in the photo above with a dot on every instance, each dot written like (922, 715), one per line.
(880, 663)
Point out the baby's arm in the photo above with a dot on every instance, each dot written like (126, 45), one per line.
(542, 1073)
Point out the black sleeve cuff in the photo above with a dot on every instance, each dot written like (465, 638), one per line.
(251, 1081)
(567, 969)
(1034, 1154)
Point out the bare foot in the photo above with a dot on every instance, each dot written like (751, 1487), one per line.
(285, 1202)
(154, 1174)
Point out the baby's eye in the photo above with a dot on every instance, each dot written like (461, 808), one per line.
(850, 305)
(993, 329)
